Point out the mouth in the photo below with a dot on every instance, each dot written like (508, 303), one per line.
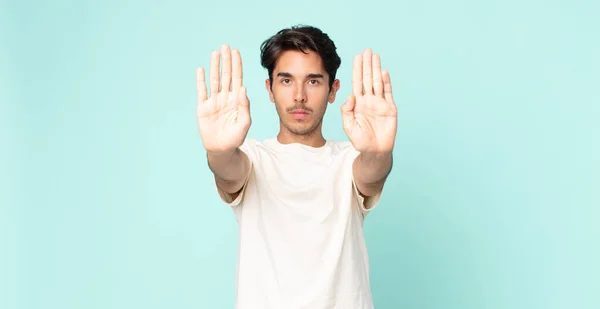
(299, 114)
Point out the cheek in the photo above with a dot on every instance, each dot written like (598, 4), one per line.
(282, 93)
(318, 94)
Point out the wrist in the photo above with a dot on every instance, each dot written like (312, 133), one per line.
(222, 154)
(375, 156)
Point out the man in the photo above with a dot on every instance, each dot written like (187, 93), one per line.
(300, 200)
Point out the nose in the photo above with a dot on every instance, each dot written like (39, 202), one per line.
(300, 94)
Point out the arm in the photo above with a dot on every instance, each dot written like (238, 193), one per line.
(369, 117)
(224, 120)
(370, 171)
(230, 169)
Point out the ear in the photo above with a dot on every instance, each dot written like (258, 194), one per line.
(268, 85)
(334, 88)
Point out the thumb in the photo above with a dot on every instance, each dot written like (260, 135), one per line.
(244, 104)
(243, 97)
(348, 109)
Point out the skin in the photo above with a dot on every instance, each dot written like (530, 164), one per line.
(224, 120)
(300, 82)
(370, 120)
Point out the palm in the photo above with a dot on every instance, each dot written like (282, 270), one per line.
(224, 117)
(370, 114)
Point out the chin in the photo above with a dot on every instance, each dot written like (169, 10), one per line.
(304, 128)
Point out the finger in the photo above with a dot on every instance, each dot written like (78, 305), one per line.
(237, 74)
(387, 87)
(377, 79)
(367, 71)
(214, 73)
(226, 73)
(201, 85)
(348, 109)
(243, 96)
(244, 104)
(357, 86)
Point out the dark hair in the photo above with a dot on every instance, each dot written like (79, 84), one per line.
(301, 38)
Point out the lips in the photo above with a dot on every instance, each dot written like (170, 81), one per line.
(300, 114)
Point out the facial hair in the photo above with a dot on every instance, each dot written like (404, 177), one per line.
(300, 130)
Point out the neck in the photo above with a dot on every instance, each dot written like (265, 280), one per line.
(313, 139)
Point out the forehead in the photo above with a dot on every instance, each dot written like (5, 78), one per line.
(297, 62)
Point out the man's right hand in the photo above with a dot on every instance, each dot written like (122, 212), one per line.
(224, 116)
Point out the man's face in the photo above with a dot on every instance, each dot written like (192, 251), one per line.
(301, 91)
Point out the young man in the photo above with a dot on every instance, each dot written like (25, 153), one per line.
(300, 200)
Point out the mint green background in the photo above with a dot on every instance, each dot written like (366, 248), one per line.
(107, 201)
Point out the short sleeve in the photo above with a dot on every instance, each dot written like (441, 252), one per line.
(365, 204)
(247, 148)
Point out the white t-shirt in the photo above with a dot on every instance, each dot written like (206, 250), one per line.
(300, 216)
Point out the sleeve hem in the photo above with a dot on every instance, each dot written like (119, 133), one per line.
(226, 197)
(366, 204)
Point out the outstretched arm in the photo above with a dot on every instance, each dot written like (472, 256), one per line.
(370, 120)
(224, 120)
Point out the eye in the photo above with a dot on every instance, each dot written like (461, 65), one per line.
(313, 82)
(286, 80)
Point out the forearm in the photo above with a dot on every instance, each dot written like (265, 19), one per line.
(230, 169)
(370, 171)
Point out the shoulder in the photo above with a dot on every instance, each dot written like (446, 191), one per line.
(249, 142)
(254, 144)
(342, 145)
(254, 147)
(342, 148)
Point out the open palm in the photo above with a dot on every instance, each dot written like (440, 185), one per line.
(369, 114)
(224, 117)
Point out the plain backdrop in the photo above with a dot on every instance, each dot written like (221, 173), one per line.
(106, 200)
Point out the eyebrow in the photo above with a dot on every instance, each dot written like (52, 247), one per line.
(311, 75)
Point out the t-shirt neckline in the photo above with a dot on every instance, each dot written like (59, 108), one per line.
(300, 145)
